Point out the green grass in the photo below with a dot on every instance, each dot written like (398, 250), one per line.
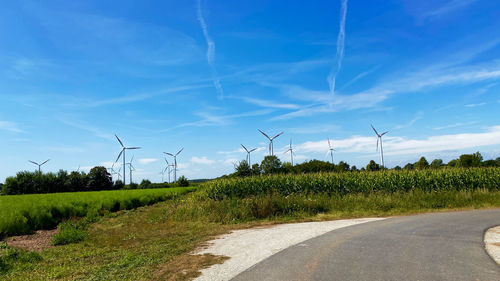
(153, 242)
(22, 214)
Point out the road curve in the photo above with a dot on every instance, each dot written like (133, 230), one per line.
(435, 246)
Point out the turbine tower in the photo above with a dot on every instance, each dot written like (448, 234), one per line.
(123, 152)
(248, 154)
(131, 168)
(379, 138)
(39, 165)
(175, 162)
(271, 151)
(291, 151)
(167, 169)
(330, 150)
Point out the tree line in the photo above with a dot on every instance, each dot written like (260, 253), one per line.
(98, 178)
(273, 165)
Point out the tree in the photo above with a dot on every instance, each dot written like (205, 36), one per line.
(421, 164)
(452, 163)
(270, 165)
(342, 166)
(397, 168)
(182, 181)
(470, 160)
(243, 169)
(372, 166)
(256, 170)
(436, 163)
(99, 179)
(490, 163)
(354, 168)
(145, 184)
(408, 166)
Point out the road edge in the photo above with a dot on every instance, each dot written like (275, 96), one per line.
(492, 243)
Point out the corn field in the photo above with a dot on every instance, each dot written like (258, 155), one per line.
(356, 182)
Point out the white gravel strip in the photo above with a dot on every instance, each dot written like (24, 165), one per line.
(247, 247)
(492, 242)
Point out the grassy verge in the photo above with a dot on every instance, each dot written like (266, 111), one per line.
(152, 243)
(22, 214)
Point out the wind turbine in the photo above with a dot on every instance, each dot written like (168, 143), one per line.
(271, 151)
(175, 162)
(131, 168)
(330, 150)
(291, 151)
(123, 151)
(167, 168)
(379, 137)
(248, 154)
(39, 165)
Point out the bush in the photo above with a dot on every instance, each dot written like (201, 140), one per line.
(182, 181)
(69, 232)
(145, 184)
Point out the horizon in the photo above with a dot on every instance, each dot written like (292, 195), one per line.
(206, 76)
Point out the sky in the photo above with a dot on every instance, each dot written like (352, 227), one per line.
(205, 75)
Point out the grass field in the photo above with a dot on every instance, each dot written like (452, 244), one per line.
(22, 214)
(153, 242)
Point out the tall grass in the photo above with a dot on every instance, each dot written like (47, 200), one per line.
(356, 182)
(22, 214)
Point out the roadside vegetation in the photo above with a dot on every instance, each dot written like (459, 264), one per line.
(154, 242)
(23, 214)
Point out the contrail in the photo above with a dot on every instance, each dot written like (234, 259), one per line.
(210, 53)
(340, 47)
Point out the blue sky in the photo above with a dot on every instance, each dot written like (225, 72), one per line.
(205, 75)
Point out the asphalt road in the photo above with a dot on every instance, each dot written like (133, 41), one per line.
(436, 246)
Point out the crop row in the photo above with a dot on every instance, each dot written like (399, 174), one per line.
(22, 214)
(356, 182)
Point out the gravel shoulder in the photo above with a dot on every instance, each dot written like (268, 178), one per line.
(492, 243)
(248, 247)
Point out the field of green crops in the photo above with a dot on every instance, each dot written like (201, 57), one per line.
(357, 182)
(22, 214)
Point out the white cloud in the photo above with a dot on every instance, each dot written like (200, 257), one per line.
(395, 145)
(202, 160)
(448, 7)
(146, 161)
(475, 104)
(10, 126)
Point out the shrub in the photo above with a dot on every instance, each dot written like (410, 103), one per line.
(145, 184)
(69, 232)
(182, 181)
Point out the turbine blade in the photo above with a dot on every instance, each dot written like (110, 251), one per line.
(131, 159)
(265, 134)
(374, 130)
(245, 148)
(278, 135)
(179, 151)
(137, 147)
(33, 162)
(121, 143)
(329, 144)
(45, 162)
(169, 154)
(119, 155)
(328, 152)
(384, 133)
(377, 144)
(252, 150)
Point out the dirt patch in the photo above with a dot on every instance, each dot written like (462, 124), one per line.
(187, 267)
(34, 242)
